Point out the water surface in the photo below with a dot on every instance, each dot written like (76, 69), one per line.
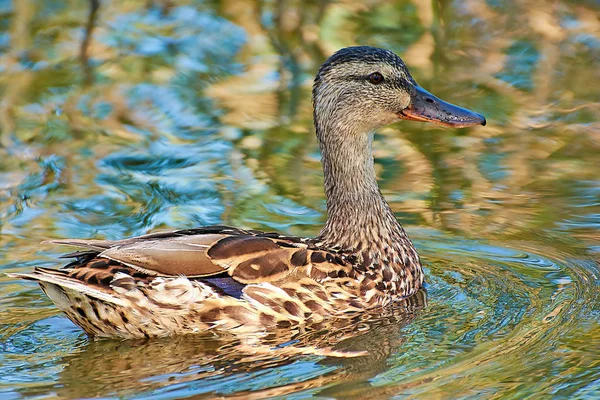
(141, 116)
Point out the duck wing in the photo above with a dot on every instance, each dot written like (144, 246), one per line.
(182, 281)
(247, 256)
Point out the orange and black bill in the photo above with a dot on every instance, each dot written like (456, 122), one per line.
(427, 108)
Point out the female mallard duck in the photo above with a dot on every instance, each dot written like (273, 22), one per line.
(232, 279)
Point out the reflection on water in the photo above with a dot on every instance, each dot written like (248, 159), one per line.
(175, 114)
(297, 359)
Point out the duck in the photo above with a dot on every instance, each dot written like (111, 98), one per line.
(222, 278)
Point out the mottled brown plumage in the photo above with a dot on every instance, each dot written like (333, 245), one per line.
(224, 278)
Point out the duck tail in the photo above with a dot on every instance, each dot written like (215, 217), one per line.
(55, 283)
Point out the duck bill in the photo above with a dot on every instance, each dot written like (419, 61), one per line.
(427, 108)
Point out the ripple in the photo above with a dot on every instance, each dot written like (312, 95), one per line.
(494, 313)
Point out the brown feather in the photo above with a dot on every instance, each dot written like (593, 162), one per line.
(168, 257)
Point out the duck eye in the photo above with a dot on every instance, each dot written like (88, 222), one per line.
(375, 78)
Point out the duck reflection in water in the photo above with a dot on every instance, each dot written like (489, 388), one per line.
(342, 351)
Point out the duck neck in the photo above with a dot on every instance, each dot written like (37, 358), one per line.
(357, 214)
(359, 220)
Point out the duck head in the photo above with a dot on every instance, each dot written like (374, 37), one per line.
(363, 88)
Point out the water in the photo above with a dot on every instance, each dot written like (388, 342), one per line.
(182, 114)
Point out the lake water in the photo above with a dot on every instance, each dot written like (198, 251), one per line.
(153, 115)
